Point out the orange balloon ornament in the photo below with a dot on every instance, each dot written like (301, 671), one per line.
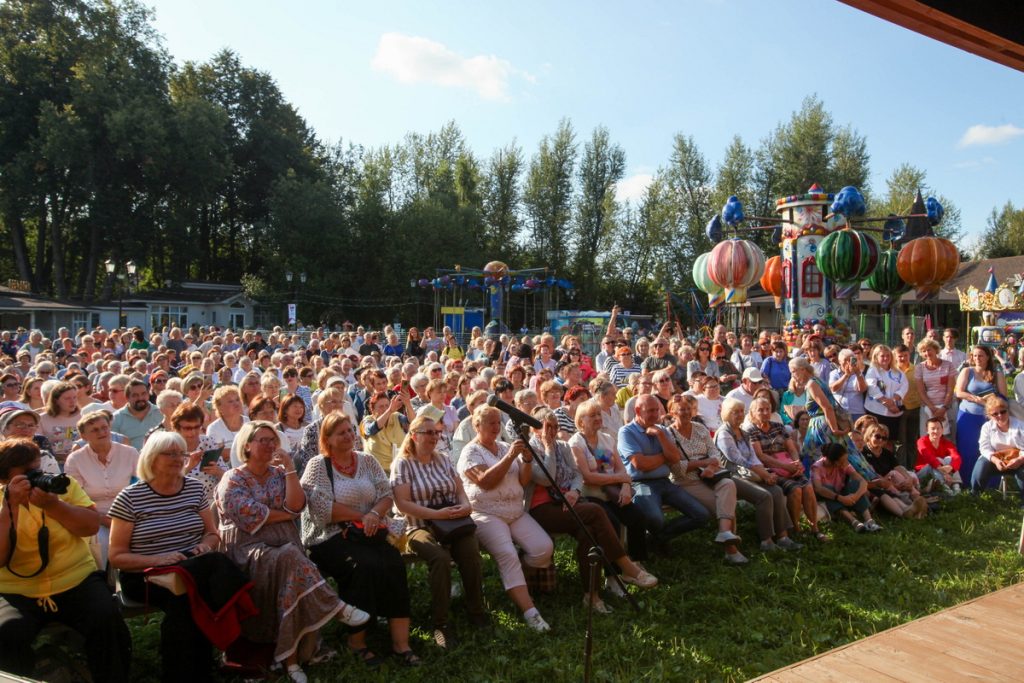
(926, 263)
(771, 281)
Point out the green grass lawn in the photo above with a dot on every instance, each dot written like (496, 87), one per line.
(707, 621)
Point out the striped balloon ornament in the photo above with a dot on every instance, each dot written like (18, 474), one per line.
(886, 279)
(847, 257)
(736, 264)
(701, 278)
(926, 263)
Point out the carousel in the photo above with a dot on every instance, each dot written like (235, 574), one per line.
(827, 249)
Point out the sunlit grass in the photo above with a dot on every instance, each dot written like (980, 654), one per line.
(708, 621)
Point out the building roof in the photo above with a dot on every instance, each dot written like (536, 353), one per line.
(191, 292)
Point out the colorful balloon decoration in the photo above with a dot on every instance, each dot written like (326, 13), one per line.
(847, 257)
(849, 202)
(886, 279)
(716, 295)
(735, 265)
(732, 212)
(935, 211)
(713, 229)
(771, 281)
(926, 263)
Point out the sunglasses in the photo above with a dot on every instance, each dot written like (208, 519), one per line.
(879, 437)
(431, 432)
(998, 413)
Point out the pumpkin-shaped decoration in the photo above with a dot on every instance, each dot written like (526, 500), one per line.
(735, 265)
(926, 263)
(701, 278)
(496, 270)
(847, 257)
(771, 281)
(886, 279)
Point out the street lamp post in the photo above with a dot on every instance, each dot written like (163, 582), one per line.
(289, 276)
(128, 275)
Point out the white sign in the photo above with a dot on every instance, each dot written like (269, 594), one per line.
(291, 313)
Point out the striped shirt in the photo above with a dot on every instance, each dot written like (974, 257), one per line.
(619, 375)
(163, 524)
(431, 485)
(565, 422)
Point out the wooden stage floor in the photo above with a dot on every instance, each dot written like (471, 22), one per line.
(979, 640)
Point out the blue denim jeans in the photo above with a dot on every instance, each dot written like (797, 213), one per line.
(984, 470)
(650, 494)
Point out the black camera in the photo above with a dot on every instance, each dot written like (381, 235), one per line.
(51, 483)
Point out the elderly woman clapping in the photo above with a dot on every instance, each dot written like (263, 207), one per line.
(494, 474)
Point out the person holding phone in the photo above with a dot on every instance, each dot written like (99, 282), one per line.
(848, 385)
(206, 459)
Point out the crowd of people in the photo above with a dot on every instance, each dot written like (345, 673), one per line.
(280, 462)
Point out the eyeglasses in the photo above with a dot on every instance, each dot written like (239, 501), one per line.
(664, 380)
(879, 437)
(11, 385)
(431, 432)
(173, 454)
(22, 425)
(998, 413)
(264, 441)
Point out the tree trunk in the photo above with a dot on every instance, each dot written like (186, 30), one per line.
(41, 230)
(92, 262)
(17, 228)
(57, 246)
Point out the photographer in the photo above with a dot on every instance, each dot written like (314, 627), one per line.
(848, 384)
(49, 573)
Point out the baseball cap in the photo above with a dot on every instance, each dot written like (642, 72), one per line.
(753, 374)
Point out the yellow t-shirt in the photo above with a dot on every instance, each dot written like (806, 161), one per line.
(912, 399)
(70, 558)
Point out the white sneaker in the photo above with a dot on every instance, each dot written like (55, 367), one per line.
(613, 587)
(350, 615)
(598, 604)
(787, 543)
(727, 537)
(737, 558)
(537, 623)
(644, 579)
(769, 546)
(295, 673)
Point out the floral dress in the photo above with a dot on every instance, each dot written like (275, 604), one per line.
(292, 595)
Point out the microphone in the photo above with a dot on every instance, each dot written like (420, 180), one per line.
(518, 416)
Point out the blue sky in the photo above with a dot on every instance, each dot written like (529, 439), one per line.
(371, 72)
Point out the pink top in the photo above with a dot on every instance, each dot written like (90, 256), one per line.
(831, 476)
(936, 382)
(102, 482)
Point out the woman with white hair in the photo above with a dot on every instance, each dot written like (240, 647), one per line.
(259, 504)
(161, 520)
(167, 401)
(754, 482)
(227, 404)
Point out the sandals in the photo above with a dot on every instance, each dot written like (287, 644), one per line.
(366, 656)
(822, 537)
(408, 658)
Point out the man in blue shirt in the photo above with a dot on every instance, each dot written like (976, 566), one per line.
(647, 450)
(138, 416)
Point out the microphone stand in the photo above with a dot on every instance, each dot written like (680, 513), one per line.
(595, 555)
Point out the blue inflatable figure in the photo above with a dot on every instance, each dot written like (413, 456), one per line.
(714, 229)
(732, 212)
(935, 211)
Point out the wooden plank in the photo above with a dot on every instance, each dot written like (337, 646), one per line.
(977, 640)
(995, 657)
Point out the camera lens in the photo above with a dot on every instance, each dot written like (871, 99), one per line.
(51, 483)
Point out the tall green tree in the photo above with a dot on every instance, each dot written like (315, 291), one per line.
(503, 202)
(1004, 233)
(548, 197)
(688, 181)
(602, 166)
(902, 187)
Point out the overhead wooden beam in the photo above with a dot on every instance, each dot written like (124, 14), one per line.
(928, 21)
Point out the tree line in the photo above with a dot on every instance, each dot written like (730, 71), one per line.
(108, 150)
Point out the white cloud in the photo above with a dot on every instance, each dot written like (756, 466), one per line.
(633, 187)
(990, 135)
(412, 59)
(974, 164)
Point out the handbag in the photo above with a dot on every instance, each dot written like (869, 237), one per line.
(353, 530)
(447, 531)
(718, 476)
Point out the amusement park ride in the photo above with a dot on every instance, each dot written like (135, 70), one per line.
(827, 248)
